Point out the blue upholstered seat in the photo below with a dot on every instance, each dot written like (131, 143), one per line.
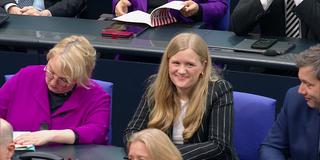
(107, 86)
(253, 117)
(7, 77)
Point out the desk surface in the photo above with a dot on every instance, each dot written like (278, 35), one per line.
(44, 31)
(84, 152)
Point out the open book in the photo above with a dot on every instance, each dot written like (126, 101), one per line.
(158, 17)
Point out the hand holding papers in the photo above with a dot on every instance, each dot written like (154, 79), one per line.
(158, 17)
(19, 147)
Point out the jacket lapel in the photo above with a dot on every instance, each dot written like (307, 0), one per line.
(41, 96)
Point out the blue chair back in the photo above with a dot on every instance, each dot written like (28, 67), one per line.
(253, 117)
(107, 86)
(8, 76)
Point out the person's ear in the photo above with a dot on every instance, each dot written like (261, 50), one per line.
(10, 150)
(204, 64)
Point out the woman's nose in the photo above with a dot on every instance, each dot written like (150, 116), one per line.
(54, 81)
(182, 69)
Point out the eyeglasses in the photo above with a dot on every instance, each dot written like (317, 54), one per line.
(60, 80)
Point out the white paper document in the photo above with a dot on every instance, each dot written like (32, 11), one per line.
(158, 17)
(28, 147)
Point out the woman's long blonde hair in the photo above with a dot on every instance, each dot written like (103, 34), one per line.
(162, 93)
(157, 143)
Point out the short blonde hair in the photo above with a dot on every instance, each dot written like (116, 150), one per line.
(157, 143)
(77, 58)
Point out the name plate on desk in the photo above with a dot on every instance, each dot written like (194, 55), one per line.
(278, 48)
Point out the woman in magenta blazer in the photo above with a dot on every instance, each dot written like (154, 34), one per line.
(206, 11)
(58, 102)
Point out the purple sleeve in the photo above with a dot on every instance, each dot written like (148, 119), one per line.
(96, 123)
(5, 91)
(135, 5)
(212, 10)
(114, 3)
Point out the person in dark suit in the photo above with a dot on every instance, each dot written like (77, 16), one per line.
(188, 101)
(270, 16)
(296, 131)
(60, 8)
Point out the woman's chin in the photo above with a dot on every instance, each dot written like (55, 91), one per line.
(55, 90)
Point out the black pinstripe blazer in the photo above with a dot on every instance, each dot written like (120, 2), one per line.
(213, 138)
(248, 13)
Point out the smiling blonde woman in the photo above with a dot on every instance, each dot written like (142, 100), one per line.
(188, 101)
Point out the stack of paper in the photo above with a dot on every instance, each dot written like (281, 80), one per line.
(19, 147)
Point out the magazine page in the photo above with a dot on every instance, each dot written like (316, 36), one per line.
(135, 17)
(162, 16)
(159, 16)
(176, 5)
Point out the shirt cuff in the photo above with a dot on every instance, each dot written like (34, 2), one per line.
(76, 138)
(297, 2)
(7, 6)
(265, 4)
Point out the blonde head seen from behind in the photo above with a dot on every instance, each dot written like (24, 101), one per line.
(6, 140)
(162, 93)
(76, 57)
(157, 144)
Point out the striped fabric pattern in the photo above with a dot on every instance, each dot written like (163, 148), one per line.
(162, 17)
(292, 21)
(213, 138)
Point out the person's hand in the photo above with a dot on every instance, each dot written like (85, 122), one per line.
(122, 7)
(30, 11)
(190, 8)
(36, 138)
(14, 10)
(45, 13)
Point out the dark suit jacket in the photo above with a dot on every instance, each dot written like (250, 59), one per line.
(61, 8)
(296, 131)
(213, 138)
(249, 13)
